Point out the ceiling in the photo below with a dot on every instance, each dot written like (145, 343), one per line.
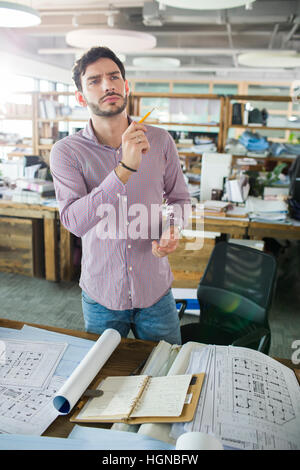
(206, 42)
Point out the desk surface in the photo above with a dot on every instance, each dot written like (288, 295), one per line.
(22, 209)
(124, 360)
(259, 230)
(128, 355)
(253, 230)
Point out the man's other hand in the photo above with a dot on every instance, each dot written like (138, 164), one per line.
(167, 244)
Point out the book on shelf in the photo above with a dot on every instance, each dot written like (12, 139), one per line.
(35, 184)
(141, 399)
(47, 109)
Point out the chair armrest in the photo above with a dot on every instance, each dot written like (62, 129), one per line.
(260, 335)
(182, 308)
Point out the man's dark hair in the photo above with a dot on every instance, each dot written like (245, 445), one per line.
(91, 56)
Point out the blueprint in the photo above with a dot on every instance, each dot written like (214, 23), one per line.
(28, 411)
(248, 400)
(28, 363)
(29, 378)
(34, 365)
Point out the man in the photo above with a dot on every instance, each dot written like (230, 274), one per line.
(108, 179)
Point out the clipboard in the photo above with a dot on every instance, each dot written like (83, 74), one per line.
(186, 415)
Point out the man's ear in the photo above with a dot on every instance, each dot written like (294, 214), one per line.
(127, 89)
(80, 98)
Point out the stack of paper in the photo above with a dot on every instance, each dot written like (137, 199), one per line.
(266, 211)
(248, 400)
(275, 193)
(216, 208)
(35, 184)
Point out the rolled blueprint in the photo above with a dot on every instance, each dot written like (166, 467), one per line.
(198, 441)
(86, 371)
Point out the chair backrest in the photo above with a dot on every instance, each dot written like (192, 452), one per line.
(237, 286)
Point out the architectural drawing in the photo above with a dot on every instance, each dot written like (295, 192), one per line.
(260, 391)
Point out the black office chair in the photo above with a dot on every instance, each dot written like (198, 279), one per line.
(234, 295)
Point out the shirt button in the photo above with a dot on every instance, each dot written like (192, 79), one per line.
(129, 246)
(130, 268)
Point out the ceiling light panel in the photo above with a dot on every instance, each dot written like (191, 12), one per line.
(17, 15)
(269, 59)
(205, 4)
(118, 40)
(156, 63)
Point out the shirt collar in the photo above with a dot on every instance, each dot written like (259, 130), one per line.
(88, 131)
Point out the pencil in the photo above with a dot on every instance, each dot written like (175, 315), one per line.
(146, 115)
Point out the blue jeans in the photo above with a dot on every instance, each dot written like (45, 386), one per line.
(155, 323)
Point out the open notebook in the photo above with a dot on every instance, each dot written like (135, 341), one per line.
(140, 399)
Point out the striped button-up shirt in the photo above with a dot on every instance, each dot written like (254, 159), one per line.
(117, 222)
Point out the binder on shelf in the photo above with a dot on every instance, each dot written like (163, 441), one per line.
(142, 399)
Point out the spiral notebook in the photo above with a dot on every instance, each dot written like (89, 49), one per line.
(141, 399)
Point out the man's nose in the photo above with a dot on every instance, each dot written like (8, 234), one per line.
(107, 85)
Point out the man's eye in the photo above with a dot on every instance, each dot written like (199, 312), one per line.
(115, 77)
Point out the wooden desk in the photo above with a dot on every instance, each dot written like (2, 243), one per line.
(124, 360)
(253, 230)
(259, 230)
(235, 227)
(127, 356)
(34, 232)
(57, 241)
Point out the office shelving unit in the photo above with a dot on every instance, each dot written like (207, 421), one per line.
(47, 126)
(49, 116)
(16, 111)
(135, 109)
(258, 127)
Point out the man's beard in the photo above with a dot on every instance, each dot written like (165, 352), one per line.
(95, 108)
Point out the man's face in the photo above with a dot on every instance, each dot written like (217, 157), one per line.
(104, 90)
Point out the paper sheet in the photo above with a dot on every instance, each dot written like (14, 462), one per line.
(215, 166)
(28, 411)
(28, 363)
(25, 410)
(250, 402)
(86, 371)
(84, 438)
(74, 354)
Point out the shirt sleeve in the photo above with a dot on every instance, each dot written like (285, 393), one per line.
(77, 207)
(176, 192)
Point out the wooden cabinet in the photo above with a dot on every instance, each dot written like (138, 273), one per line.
(188, 265)
(31, 235)
(21, 246)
